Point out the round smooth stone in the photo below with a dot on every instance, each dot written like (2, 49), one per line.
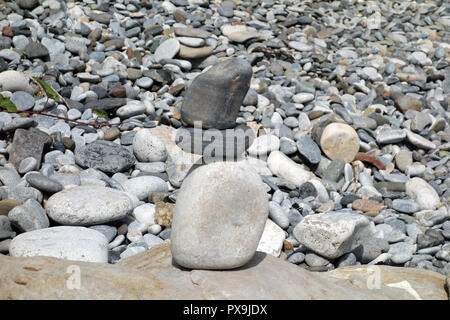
(405, 206)
(130, 110)
(88, 205)
(69, 243)
(339, 140)
(145, 214)
(142, 186)
(214, 226)
(144, 82)
(106, 156)
(14, 81)
(264, 145)
(148, 147)
(423, 193)
(401, 252)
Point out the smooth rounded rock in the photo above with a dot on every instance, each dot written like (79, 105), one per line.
(339, 140)
(14, 81)
(211, 205)
(88, 205)
(142, 186)
(69, 243)
(423, 193)
(264, 145)
(106, 156)
(148, 147)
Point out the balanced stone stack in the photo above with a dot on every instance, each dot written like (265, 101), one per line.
(211, 105)
(347, 102)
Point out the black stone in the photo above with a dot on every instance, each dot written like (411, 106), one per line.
(214, 97)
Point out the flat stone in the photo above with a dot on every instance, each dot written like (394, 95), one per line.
(191, 42)
(303, 97)
(405, 206)
(103, 104)
(69, 243)
(204, 211)
(141, 276)
(88, 205)
(333, 234)
(215, 144)
(192, 32)
(215, 97)
(106, 156)
(194, 53)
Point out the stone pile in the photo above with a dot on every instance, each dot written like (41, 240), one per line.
(337, 153)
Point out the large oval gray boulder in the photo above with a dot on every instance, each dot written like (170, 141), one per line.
(69, 243)
(215, 96)
(88, 205)
(219, 217)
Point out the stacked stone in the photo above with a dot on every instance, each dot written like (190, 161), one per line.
(211, 106)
